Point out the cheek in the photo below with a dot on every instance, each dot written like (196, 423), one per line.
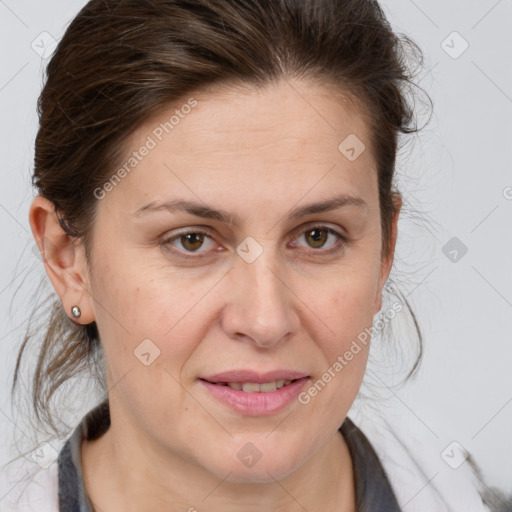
(346, 304)
(143, 303)
(346, 356)
(149, 328)
(344, 311)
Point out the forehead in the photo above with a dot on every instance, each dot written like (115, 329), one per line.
(244, 117)
(288, 137)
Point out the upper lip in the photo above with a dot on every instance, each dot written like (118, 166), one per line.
(253, 376)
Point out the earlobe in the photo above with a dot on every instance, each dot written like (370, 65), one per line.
(63, 260)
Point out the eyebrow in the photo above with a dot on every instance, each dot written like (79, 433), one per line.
(203, 210)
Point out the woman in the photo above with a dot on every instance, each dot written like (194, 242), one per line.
(216, 215)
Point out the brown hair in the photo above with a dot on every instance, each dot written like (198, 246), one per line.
(120, 62)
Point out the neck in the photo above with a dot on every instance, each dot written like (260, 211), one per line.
(124, 472)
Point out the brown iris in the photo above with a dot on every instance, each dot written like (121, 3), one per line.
(319, 237)
(192, 241)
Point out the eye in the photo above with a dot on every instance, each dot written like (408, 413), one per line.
(317, 236)
(190, 241)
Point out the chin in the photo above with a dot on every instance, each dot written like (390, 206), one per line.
(250, 465)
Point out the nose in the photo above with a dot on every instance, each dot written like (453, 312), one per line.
(260, 307)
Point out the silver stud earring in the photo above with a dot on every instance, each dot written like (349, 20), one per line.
(75, 311)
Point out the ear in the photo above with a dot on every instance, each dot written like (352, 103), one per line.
(387, 260)
(64, 260)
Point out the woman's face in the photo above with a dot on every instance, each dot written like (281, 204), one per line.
(273, 284)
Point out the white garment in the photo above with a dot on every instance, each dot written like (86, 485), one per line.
(421, 480)
(39, 494)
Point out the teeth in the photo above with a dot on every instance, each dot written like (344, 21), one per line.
(254, 387)
(268, 386)
(250, 387)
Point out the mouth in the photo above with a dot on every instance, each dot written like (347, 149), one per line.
(253, 394)
(255, 387)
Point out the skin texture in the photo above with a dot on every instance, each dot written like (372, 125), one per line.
(257, 154)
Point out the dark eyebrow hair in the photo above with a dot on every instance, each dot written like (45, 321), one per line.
(203, 210)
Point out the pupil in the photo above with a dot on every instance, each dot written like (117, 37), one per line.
(193, 241)
(317, 237)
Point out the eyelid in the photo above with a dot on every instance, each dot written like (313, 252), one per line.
(321, 225)
(342, 242)
(299, 231)
(186, 231)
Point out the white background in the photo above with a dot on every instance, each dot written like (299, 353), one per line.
(454, 178)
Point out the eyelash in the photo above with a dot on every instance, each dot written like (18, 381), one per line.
(340, 245)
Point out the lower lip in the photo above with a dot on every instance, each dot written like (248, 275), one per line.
(257, 403)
